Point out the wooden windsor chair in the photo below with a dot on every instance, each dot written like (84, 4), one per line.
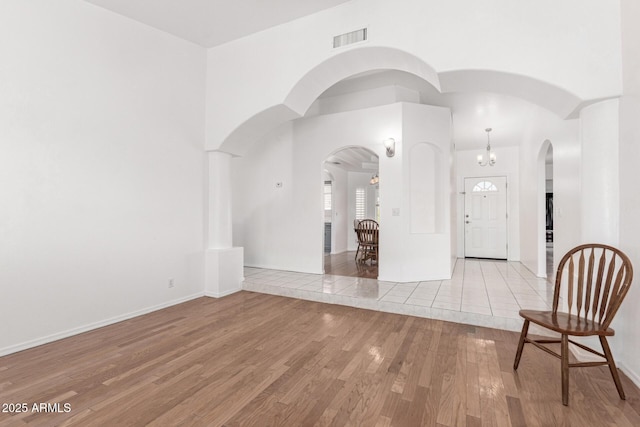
(367, 231)
(597, 278)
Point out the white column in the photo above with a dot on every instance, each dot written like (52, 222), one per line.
(600, 188)
(219, 203)
(600, 193)
(223, 262)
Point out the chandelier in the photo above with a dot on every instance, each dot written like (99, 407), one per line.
(490, 155)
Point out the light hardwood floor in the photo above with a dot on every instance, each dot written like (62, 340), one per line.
(345, 264)
(256, 359)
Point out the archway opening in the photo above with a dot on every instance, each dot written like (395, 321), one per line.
(545, 211)
(351, 194)
(549, 212)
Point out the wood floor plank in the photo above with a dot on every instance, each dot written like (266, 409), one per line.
(413, 365)
(515, 412)
(251, 359)
(452, 408)
(473, 386)
(473, 421)
(428, 367)
(345, 264)
(498, 390)
(353, 400)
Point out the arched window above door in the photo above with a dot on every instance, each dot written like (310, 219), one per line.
(484, 186)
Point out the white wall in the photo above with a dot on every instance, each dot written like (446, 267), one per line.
(507, 164)
(340, 209)
(406, 255)
(547, 40)
(365, 98)
(262, 212)
(600, 183)
(629, 176)
(101, 168)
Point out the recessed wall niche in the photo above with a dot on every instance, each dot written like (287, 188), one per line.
(426, 189)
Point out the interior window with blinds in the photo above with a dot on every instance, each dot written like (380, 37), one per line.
(327, 195)
(361, 203)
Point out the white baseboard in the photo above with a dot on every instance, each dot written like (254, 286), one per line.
(341, 251)
(91, 326)
(633, 376)
(584, 356)
(222, 294)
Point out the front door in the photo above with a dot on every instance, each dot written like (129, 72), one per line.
(485, 217)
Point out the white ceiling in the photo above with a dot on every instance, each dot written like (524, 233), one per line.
(213, 22)
(473, 112)
(354, 159)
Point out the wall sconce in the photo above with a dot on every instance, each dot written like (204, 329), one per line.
(390, 145)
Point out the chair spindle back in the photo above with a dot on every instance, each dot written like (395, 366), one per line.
(367, 231)
(597, 278)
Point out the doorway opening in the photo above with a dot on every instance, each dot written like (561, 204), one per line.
(328, 210)
(549, 212)
(354, 196)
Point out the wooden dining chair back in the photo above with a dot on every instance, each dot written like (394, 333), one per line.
(591, 283)
(367, 231)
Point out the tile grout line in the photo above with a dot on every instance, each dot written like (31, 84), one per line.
(484, 282)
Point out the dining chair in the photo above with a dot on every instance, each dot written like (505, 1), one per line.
(591, 282)
(367, 231)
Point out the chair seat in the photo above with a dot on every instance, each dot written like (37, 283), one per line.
(565, 323)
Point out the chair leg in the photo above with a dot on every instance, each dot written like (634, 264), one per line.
(564, 353)
(612, 366)
(523, 335)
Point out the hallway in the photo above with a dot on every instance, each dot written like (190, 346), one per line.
(481, 292)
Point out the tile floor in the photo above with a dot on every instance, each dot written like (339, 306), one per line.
(481, 292)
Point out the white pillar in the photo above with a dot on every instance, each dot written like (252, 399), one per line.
(223, 262)
(219, 203)
(600, 192)
(600, 188)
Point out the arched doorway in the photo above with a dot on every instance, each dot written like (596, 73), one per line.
(351, 195)
(549, 212)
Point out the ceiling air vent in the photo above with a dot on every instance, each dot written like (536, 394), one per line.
(348, 38)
